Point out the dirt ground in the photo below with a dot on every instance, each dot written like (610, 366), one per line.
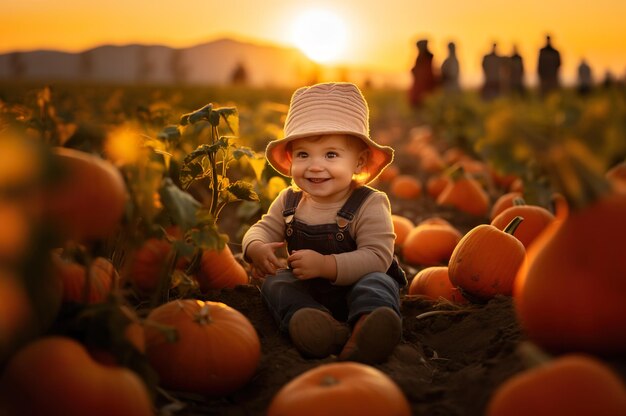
(448, 363)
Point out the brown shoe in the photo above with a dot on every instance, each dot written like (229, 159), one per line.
(374, 337)
(316, 334)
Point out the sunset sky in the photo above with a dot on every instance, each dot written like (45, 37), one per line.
(378, 34)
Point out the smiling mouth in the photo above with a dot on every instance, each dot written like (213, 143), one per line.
(317, 180)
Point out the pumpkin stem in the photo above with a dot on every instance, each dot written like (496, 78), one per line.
(517, 201)
(456, 172)
(329, 380)
(203, 317)
(532, 355)
(512, 226)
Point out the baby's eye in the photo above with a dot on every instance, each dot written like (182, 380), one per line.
(331, 155)
(301, 155)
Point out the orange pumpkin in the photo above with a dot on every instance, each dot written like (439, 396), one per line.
(56, 375)
(503, 202)
(571, 291)
(16, 311)
(389, 173)
(465, 194)
(406, 187)
(401, 227)
(436, 184)
(486, 261)
(434, 283)
(338, 389)
(149, 262)
(219, 269)
(574, 385)
(430, 244)
(101, 279)
(216, 349)
(536, 219)
(617, 177)
(89, 201)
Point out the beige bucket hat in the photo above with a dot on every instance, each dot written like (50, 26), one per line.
(328, 108)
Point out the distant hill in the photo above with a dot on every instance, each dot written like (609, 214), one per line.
(211, 63)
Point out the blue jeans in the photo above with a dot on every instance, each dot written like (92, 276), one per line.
(284, 295)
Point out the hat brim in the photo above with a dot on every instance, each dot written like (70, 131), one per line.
(379, 156)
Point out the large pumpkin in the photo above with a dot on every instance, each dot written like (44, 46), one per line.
(56, 375)
(216, 349)
(571, 291)
(219, 269)
(89, 200)
(573, 385)
(338, 389)
(486, 261)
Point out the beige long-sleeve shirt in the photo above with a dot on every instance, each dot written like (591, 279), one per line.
(372, 229)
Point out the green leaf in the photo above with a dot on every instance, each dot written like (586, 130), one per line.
(205, 149)
(207, 237)
(180, 205)
(231, 118)
(189, 172)
(242, 151)
(169, 133)
(242, 191)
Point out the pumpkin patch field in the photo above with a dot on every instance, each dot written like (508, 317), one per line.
(123, 289)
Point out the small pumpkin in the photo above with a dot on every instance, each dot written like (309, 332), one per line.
(338, 389)
(406, 187)
(573, 384)
(486, 260)
(430, 244)
(56, 375)
(434, 283)
(101, 279)
(147, 264)
(220, 269)
(401, 227)
(465, 194)
(215, 351)
(435, 184)
(536, 219)
(503, 202)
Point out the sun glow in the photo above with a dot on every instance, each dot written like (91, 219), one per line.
(320, 34)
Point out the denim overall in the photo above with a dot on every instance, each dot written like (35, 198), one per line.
(285, 294)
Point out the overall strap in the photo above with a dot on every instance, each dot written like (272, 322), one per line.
(291, 203)
(347, 212)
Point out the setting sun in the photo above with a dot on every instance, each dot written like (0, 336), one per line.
(320, 34)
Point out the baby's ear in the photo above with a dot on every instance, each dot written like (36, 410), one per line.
(362, 160)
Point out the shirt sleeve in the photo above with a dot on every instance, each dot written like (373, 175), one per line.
(372, 229)
(270, 228)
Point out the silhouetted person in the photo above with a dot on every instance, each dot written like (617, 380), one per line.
(450, 70)
(423, 75)
(239, 75)
(585, 78)
(516, 73)
(492, 70)
(609, 80)
(548, 68)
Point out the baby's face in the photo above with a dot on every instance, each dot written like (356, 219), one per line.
(323, 166)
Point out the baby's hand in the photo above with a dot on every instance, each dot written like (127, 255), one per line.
(264, 259)
(308, 264)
